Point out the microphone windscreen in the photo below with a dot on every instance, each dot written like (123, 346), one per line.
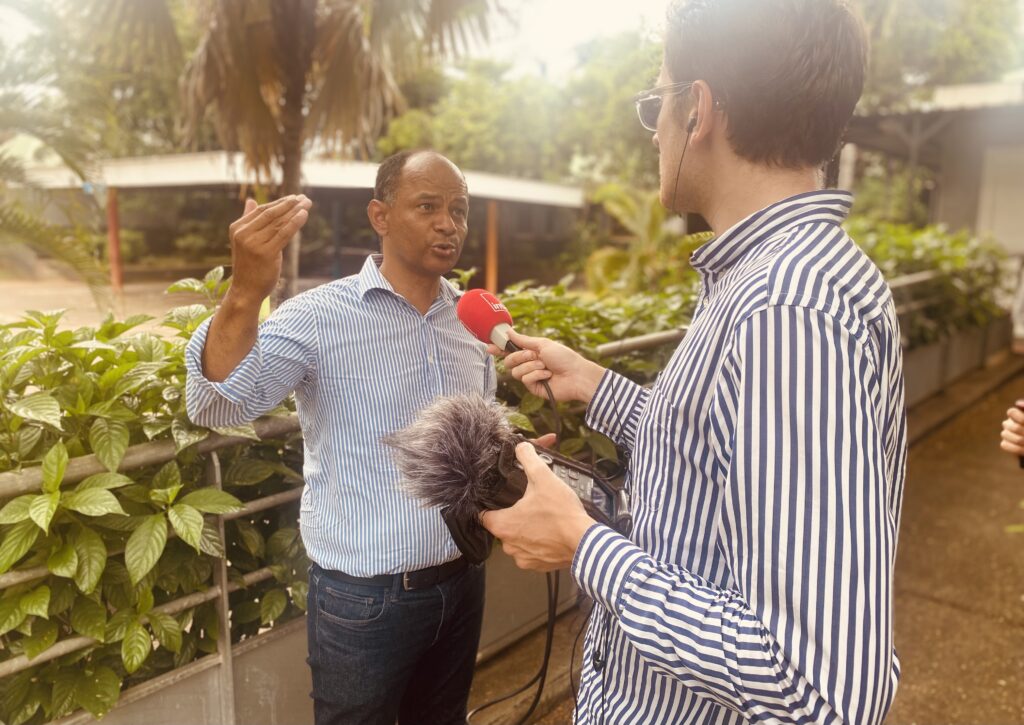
(481, 312)
(449, 456)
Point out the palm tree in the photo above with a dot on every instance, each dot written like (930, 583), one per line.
(277, 75)
(24, 113)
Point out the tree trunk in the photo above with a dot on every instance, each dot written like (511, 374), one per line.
(296, 28)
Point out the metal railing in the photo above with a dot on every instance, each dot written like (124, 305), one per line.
(13, 483)
(902, 287)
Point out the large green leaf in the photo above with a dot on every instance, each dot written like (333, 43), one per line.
(44, 634)
(11, 614)
(212, 501)
(138, 375)
(136, 646)
(211, 542)
(166, 629)
(145, 546)
(89, 618)
(62, 700)
(64, 561)
(93, 502)
(40, 407)
(188, 522)
(55, 462)
(186, 435)
(105, 481)
(109, 441)
(19, 540)
(98, 690)
(42, 508)
(248, 472)
(37, 602)
(272, 605)
(168, 476)
(28, 437)
(92, 559)
(250, 538)
(16, 509)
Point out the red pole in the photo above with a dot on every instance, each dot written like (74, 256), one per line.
(491, 248)
(114, 242)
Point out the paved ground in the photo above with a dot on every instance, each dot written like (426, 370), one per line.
(82, 306)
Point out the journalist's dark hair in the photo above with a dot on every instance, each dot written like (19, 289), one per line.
(787, 73)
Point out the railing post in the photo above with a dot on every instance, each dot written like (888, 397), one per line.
(227, 667)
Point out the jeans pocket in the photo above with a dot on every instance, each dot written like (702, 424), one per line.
(350, 609)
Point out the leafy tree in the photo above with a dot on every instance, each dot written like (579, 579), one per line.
(487, 122)
(600, 128)
(917, 45)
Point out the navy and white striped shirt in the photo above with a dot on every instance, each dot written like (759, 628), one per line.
(766, 473)
(362, 362)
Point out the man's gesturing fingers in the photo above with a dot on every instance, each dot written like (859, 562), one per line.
(259, 225)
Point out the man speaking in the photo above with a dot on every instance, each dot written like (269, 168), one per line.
(766, 464)
(394, 612)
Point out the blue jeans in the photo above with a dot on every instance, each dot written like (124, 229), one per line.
(382, 654)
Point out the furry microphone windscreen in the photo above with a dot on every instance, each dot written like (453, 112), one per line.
(449, 456)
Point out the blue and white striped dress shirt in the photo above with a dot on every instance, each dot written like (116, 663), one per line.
(766, 472)
(362, 362)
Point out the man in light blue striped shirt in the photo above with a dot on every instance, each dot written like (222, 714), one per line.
(766, 463)
(393, 612)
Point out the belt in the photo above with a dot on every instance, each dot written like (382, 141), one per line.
(419, 579)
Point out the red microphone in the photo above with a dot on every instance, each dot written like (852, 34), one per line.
(487, 318)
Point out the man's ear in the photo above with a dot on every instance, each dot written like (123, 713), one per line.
(377, 212)
(703, 112)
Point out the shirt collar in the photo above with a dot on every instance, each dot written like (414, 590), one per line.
(370, 278)
(720, 253)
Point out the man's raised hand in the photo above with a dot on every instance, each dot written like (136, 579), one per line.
(258, 239)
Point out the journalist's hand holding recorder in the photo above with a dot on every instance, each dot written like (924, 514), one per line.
(543, 529)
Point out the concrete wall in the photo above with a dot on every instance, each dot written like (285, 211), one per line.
(965, 143)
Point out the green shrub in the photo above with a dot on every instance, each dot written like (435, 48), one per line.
(69, 393)
(969, 283)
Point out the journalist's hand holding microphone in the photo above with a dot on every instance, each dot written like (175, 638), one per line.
(543, 529)
(570, 375)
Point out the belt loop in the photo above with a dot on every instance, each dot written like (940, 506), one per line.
(405, 581)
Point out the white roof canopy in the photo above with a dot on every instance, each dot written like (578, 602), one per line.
(220, 168)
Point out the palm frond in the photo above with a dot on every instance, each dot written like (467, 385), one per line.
(356, 92)
(132, 34)
(236, 72)
(70, 247)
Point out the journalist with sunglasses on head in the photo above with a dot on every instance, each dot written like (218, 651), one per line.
(766, 463)
(394, 612)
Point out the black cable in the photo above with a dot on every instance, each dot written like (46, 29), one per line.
(552, 585)
(541, 676)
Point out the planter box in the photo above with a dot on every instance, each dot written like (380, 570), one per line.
(998, 336)
(966, 353)
(272, 681)
(923, 371)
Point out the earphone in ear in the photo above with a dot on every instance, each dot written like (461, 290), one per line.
(691, 125)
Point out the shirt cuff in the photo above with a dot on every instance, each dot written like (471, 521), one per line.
(615, 408)
(237, 386)
(604, 564)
